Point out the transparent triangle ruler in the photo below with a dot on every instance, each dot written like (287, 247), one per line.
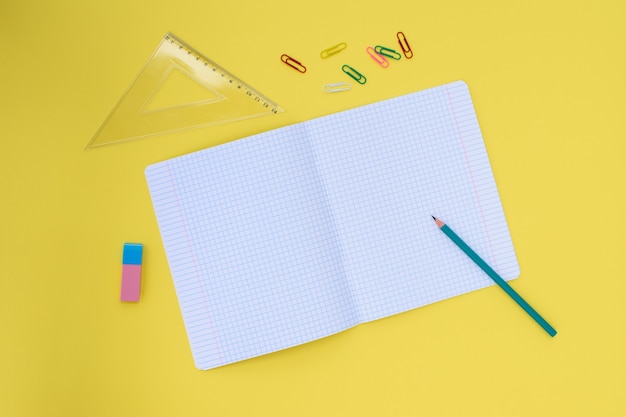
(177, 89)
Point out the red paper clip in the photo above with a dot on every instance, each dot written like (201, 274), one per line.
(404, 44)
(293, 63)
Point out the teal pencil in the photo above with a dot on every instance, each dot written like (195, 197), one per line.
(494, 276)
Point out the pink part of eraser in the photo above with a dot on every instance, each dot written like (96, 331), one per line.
(131, 282)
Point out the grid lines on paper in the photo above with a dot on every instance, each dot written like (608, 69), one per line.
(389, 166)
(304, 231)
(262, 252)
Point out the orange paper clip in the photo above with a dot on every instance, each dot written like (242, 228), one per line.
(404, 44)
(293, 63)
(380, 60)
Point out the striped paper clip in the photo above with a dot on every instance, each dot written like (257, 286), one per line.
(380, 60)
(354, 74)
(333, 50)
(387, 52)
(337, 87)
(293, 63)
(404, 44)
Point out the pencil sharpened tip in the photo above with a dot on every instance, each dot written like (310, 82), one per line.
(434, 218)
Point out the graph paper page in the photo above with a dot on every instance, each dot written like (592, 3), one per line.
(298, 233)
(387, 167)
(251, 246)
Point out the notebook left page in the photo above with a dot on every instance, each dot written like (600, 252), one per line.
(251, 245)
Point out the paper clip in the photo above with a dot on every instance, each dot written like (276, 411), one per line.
(354, 74)
(337, 87)
(333, 50)
(293, 63)
(380, 60)
(389, 53)
(404, 44)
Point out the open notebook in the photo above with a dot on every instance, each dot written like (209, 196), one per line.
(301, 232)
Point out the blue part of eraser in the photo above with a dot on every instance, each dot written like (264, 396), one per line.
(132, 253)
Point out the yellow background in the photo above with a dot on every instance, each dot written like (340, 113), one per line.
(547, 79)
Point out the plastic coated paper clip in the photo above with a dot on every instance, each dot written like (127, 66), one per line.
(337, 87)
(333, 50)
(380, 60)
(354, 74)
(404, 44)
(387, 52)
(293, 63)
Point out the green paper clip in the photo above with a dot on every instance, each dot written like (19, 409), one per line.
(354, 74)
(389, 53)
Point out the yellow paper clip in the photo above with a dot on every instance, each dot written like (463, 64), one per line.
(354, 74)
(380, 60)
(337, 87)
(333, 50)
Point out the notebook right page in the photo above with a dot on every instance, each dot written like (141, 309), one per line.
(387, 167)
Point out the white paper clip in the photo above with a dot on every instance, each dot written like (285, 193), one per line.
(337, 87)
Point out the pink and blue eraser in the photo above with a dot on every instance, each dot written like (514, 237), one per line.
(131, 271)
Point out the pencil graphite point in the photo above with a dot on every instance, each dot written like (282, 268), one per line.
(440, 224)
